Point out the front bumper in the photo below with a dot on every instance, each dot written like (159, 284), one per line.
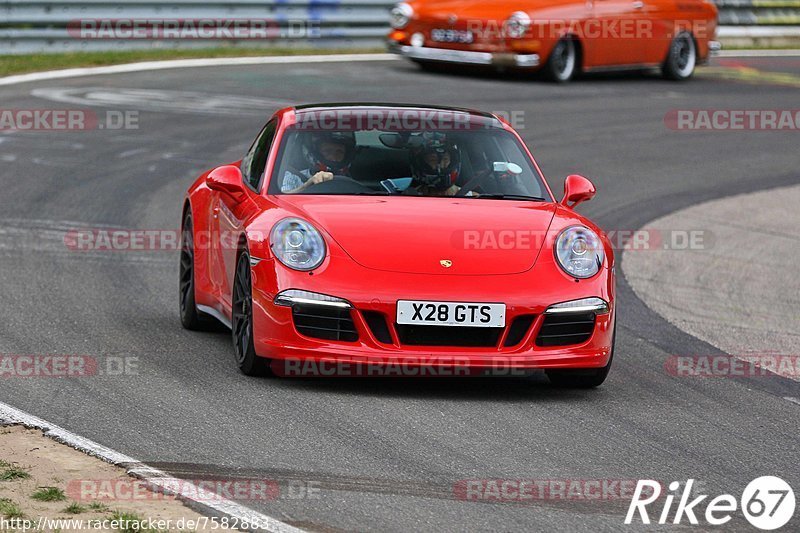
(277, 337)
(467, 57)
(289, 346)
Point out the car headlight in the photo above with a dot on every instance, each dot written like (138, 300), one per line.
(517, 24)
(400, 15)
(297, 244)
(579, 251)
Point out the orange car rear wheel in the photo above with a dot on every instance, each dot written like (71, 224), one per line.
(681, 58)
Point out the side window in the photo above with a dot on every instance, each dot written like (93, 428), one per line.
(256, 159)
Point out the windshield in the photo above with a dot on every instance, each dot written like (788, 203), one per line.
(475, 162)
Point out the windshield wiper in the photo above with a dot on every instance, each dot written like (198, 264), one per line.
(371, 193)
(501, 196)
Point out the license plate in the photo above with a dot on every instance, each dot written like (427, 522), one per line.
(452, 36)
(451, 314)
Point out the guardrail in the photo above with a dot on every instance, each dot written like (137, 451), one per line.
(758, 12)
(48, 25)
(45, 25)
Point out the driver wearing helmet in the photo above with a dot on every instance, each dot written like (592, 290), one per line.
(327, 154)
(435, 167)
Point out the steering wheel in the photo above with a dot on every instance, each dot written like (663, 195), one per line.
(473, 183)
(339, 184)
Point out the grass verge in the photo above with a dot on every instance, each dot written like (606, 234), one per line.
(74, 508)
(9, 509)
(49, 494)
(10, 472)
(98, 507)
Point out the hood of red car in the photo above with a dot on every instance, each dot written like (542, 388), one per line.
(456, 236)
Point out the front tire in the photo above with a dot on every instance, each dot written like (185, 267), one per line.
(681, 58)
(248, 362)
(191, 318)
(563, 61)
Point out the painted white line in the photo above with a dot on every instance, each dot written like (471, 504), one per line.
(272, 60)
(192, 63)
(792, 399)
(757, 53)
(160, 100)
(152, 477)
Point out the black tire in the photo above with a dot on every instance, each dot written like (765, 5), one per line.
(681, 58)
(248, 362)
(429, 66)
(562, 65)
(583, 379)
(191, 318)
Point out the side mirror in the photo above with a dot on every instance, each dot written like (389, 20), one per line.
(577, 189)
(226, 179)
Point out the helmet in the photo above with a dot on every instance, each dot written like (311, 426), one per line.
(436, 163)
(312, 151)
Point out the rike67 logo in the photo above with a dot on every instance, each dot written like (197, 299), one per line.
(767, 503)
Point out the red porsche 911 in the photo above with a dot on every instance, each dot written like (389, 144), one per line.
(386, 234)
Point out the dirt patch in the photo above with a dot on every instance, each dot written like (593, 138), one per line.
(43, 480)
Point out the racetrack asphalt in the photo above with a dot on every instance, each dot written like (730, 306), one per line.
(386, 453)
(729, 289)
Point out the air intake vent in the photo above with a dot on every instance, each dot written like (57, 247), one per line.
(518, 329)
(328, 323)
(566, 329)
(377, 324)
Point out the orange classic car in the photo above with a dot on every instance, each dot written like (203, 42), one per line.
(560, 37)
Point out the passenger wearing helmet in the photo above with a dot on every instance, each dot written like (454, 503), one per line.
(327, 155)
(435, 166)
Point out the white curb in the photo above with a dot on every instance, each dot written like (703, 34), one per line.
(152, 477)
(193, 63)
